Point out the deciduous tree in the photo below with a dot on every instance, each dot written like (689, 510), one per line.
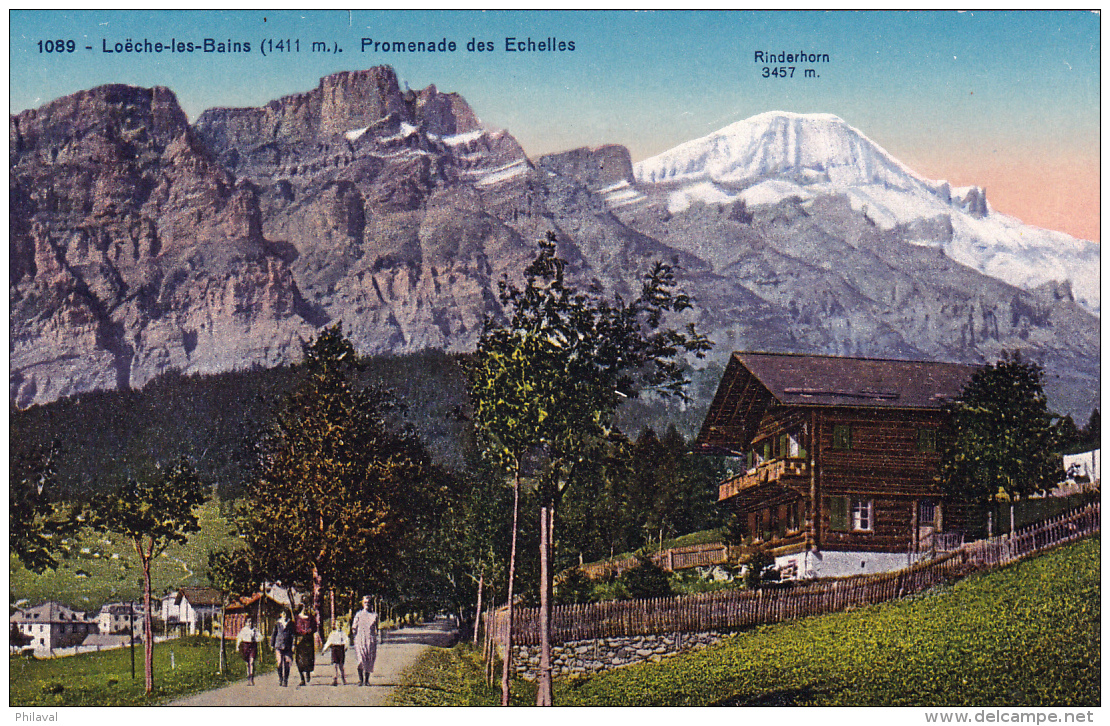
(547, 381)
(341, 486)
(1001, 438)
(153, 512)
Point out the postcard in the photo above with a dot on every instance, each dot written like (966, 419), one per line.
(573, 358)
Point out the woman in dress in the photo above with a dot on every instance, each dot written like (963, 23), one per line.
(305, 626)
(337, 644)
(364, 633)
(246, 642)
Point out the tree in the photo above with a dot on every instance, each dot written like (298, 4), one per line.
(1092, 434)
(35, 522)
(547, 381)
(341, 489)
(153, 512)
(1001, 437)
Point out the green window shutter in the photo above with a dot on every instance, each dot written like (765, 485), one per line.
(926, 440)
(784, 446)
(842, 436)
(838, 514)
(751, 458)
(766, 449)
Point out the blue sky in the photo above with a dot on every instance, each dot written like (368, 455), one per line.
(954, 95)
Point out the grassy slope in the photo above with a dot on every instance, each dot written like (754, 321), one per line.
(87, 580)
(104, 679)
(1026, 635)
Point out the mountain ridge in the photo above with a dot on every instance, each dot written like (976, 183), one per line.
(142, 244)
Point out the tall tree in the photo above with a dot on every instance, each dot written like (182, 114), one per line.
(153, 512)
(1001, 437)
(341, 487)
(547, 381)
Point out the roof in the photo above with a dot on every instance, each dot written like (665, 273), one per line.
(48, 612)
(248, 602)
(754, 381)
(833, 381)
(200, 596)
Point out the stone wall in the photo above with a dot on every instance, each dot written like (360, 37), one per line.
(583, 657)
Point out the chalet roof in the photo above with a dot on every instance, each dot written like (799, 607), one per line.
(753, 382)
(248, 603)
(833, 381)
(199, 596)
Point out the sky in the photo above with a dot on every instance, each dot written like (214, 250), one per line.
(1005, 100)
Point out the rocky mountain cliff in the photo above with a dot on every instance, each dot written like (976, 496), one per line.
(141, 244)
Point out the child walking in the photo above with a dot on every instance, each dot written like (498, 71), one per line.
(337, 643)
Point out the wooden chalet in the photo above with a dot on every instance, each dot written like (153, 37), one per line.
(840, 462)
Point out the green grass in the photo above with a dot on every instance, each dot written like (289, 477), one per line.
(1026, 635)
(104, 679)
(104, 568)
(456, 677)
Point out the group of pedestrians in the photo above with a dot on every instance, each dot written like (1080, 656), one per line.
(293, 640)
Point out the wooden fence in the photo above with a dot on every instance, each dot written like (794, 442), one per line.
(739, 608)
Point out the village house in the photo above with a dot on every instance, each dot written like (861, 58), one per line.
(117, 617)
(52, 626)
(838, 458)
(192, 609)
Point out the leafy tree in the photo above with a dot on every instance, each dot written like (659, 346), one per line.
(153, 512)
(1002, 437)
(35, 522)
(546, 384)
(341, 491)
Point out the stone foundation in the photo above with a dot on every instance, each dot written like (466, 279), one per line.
(583, 657)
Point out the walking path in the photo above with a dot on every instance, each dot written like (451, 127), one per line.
(400, 650)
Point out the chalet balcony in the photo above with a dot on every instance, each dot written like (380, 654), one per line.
(765, 473)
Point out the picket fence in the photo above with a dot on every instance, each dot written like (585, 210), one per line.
(739, 608)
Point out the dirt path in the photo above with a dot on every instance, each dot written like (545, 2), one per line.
(400, 650)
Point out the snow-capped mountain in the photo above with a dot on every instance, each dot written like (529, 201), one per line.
(777, 155)
(141, 244)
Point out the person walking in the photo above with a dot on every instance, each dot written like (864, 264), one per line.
(305, 627)
(337, 645)
(364, 633)
(246, 642)
(282, 642)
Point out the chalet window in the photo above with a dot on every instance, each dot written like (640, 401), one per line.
(927, 440)
(927, 513)
(794, 516)
(797, 451)
(766, 450)
(850, 514)
(784, 446)
(842, 436)
(861, 515)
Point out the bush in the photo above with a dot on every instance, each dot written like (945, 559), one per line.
(760, 569)
(647, 580)
(575, 587)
